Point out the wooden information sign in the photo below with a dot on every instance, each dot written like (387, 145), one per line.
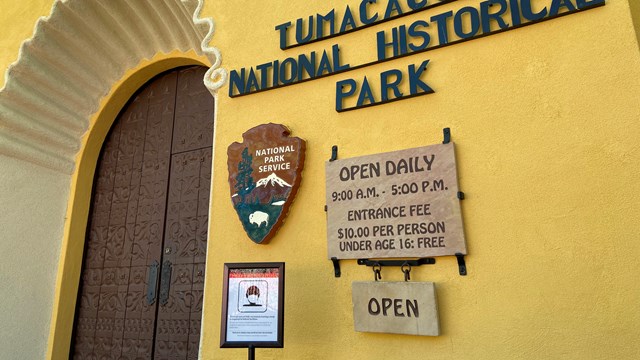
(396, 307)
(397, 204)
(265, 171)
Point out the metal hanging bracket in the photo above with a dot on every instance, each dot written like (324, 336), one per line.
(406, 270)
(405, 266)
(446, 132)
(334, 153)
(447, 135)
(336, 266)
(413, 262)
(336, 262)
(462, 266)
(377, 272)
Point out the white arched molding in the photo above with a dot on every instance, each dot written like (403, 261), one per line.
(75, 56)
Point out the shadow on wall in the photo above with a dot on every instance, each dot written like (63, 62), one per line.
(634, 6)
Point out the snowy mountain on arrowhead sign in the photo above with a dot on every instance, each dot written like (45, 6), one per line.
(269, 190)
(272, 179)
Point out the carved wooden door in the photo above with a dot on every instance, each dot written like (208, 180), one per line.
(143, 273)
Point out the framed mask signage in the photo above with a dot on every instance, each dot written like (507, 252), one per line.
(253, 305)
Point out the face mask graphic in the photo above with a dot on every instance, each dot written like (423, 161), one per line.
(253, 294)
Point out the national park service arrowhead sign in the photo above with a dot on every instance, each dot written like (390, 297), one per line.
(264, 175)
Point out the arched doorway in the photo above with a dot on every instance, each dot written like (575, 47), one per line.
(143, 270)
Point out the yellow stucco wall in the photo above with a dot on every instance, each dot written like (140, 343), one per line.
(545, 120)
(18, 18)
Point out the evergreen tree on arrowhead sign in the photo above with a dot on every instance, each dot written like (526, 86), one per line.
(244, 180)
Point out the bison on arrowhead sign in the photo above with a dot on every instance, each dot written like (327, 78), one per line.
(264, 175)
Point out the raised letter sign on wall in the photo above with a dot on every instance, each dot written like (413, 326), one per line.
(264, 175)
(396, 204)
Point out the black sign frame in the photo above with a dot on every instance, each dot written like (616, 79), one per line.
(252, 267)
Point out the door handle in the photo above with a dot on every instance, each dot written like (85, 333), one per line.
(152, 282)
(165, 282)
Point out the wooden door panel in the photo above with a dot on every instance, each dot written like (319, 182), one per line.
(151, 194)
(179, 321)
(187, 213)
(178, 332)
(203, 211)
(194, 112)
(140, 316)
(182, 215)
(125, 231)
(174, 328)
